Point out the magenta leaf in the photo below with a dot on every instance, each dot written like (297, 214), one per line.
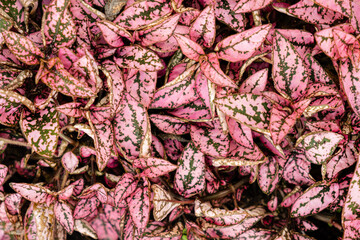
(42, 133)
(113, 33)
(211, 141)
(23, 48)
(178, 92)
(139, 207)
(289, 71)
(59, 28)
(212, 71)
(160, 32)
(242, 46)
(190, 180)
(189, 48)
(315, 199)
(63, 214)
(130, 126)
(70, 161)
(125, 187)
(203, 28)
(249, 109)
(169, 124)
(154, 167)
(140, 14)
(31, 192)
(244, 6)
(318, 146)
(138, 57)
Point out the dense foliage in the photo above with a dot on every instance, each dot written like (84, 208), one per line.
(171, 119)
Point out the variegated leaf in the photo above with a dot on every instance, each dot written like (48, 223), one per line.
(339, 6)
(130, 126)
(352, 230)
(203, 28)
(113, 33)
(316, 71)
(256, 83)
(103, 227)
(58, 26)
(160, 32)
(193, 111)
(224, 12)
(269, 175)
(63, 214)
(211, 141)
(124, 188)
(240, 133)
(243, 45)
(3, 172)
(289, 71)
(139, 207)
(212, 71)
(256, 234)
(42, 133)
(342, 160)
(45, 221)
(189, 48)
(297, 170)
(162, 203)
(138, 57)
(70, 109)
(31, 192)
(142, 13)
(318, 146)
(190, 176)
(154, 167)
(86, 207)
(23, 48)
(244, 6)
(169, 124)
(249, 109)
(70, 161)
(315, 199)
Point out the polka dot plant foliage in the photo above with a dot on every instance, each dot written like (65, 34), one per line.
(171, 119)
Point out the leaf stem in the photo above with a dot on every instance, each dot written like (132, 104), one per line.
(13, 142)
(327, 219)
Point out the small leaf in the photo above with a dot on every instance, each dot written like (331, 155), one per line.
(3, 172)
(63, 214)
(342, 160)
(244, 6)
(224, 12)
(189, 48)
(250, 109)
(113, 33)
(154, 167)
(190, 176)
(256, 83)
(138, 57)
(162, 203)
(139, 207)
(169, 124)
(203, 28)
(45, 221)
(31, 192)
(342, 7)
(125, 187)
(289, 71)
(70, 161)
(297, 170)
(85, 207)
(242, 46)
(23, 48)
(315, 199)
(318, 146)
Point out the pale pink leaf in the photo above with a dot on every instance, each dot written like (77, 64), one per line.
(139, 207)
(63, 214)
(224, 12)
(113, 33)
(203, 28)
(189, 48)
(340, 6)
(154, 167)
(256, 83)
(297, 170)
(169, 124)
(240, 133)
(31, 192)
(3, 172)
(244, 6)
(342, 160)
(125, 187)
(70, 161)
(71, 109)
(85, 207)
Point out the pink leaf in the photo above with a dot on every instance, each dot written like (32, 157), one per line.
(71, 109)
(142, 13)
(316, 71)
(113, 33)
(154, 167)
(211, 142)
(251, 5)
(169, 124)
(269, 175)
(250, 109)
(192, 111)
(24, 49)
(342, 7)
(352, 230)
(203, 28)
(240, 133)
(224, 12)
(189, 48)
(70, 161)
(190, 180)
(125, 187)
(31, 192)
(256, 83)
(104, 228)
(318, 146)
(315, 199)
(58, 26)
(3, 172)
(130, 126)
(139, 207)
(342, 160)
(63, 214)
(243, 45)
(212, 71)
(297, 170)
(173, 148)
(289, 71)
(42, 133)
(138, 57)
(160, 32)
(85, 207)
